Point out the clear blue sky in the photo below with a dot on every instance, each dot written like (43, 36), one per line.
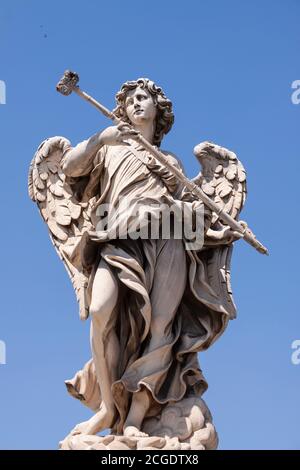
(228, 67)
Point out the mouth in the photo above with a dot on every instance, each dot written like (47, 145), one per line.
(138, 111)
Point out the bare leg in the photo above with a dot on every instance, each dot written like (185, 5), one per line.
(139, 407)
(165, 297)
(105, 347)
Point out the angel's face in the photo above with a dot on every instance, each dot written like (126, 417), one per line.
(140, 107)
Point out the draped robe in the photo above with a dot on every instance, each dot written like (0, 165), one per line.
(171, 371)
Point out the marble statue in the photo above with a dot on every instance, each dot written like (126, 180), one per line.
(154, 302)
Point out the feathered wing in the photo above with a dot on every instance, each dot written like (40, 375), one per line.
(223, 179)
(66, 217)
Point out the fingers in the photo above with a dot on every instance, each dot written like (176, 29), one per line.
(229, 236)
(226, 232)
(237, 235)
(126, 129)
(126, 132)
(123, 124)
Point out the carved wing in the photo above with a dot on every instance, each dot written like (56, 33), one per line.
(223, 179)
(65, 216)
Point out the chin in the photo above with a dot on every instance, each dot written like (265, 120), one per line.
(138, 120)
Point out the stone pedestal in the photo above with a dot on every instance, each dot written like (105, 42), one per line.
(186, 425)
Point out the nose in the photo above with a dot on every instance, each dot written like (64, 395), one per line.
(136, 103)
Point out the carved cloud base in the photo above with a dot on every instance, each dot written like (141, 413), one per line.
(186, 425)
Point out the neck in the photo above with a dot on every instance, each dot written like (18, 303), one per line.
(147, 130)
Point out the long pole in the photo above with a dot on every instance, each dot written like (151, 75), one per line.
(69, 83)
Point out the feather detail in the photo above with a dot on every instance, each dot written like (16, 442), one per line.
(65, 216)
(223, 178)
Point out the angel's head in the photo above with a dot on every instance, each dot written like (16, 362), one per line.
(142, 99)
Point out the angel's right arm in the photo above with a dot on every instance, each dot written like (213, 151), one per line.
(78, 161)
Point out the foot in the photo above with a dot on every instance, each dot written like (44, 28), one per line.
(103, 419)
(133, 431)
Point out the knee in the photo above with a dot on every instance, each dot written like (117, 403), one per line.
(100, 313)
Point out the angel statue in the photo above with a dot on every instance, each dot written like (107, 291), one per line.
(154, 302)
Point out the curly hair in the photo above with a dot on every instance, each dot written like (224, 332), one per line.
(164, 117)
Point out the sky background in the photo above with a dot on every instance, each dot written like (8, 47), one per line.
(228, 67)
